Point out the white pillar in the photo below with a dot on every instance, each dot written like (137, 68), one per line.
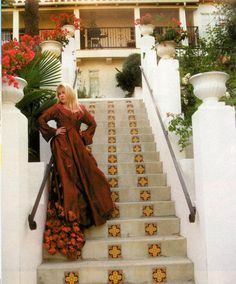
(167, 91)
(68, 61)
(137, 28)
(182, 18)
(16, 24)
(14, 181)
(77, 32)
(214, 139)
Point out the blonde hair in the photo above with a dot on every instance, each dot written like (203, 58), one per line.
(72, 102)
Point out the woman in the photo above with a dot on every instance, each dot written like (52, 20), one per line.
(80, 194)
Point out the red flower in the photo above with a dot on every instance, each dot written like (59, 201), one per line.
(66, 19)
(16, 55)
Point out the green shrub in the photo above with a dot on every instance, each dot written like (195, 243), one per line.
(130, 76)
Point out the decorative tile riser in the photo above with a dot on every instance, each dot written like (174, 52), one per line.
(120, 120)
(144, 209)
(137, 180)
(124, 130)
(120, 115)
(121, 123)
(131, 168)
(124, 147)
(126, 157)
(128, 249)
(161, 193)
(123, 137)
(133, 273)
(136, 227)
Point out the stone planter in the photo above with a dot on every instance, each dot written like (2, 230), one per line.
(70, 29)
(209, 86)
(53, 46)
(166, 49)
(12, 95)
(146, 29)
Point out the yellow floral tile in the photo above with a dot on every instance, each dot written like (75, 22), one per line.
(151, 229)
(159, 275)
(111, 139)
(112, 159)
(115, 277)
(114, 251)
(138, 158)
(137, 148)
(112, 149)
(145, 195)
(71, 277)
(148, 211)
(140, 169)
(112, 170)
(115, 196)
(114, 230)
(113, 182)
(154, 250)
(135, 139)
(142, 181)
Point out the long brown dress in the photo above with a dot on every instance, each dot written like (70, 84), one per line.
(80, 194)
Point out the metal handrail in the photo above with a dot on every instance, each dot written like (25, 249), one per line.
(32, 223)
(192, 208)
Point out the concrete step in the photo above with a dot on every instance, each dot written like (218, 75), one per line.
(126, 157)
(122, 130)
(131, 168)
(120, 138)
(143, 209)
(128, 248)
(134, 227)
(173, 269)
(141, 194)
(144, 181)
(124, 147)
(122, 121)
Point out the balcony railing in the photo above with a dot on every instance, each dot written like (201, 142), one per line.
(115, 37)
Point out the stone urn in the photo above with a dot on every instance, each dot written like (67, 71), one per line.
(146, 29)
(209, 86)
(166, 49)
(70, 29)
(53, 46)
(11, 94)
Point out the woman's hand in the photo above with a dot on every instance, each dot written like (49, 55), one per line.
(61, 130)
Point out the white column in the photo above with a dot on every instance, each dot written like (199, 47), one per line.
(77, 32)
(214, 139)
(68, 61)
(14, 181)
(182, 18)
(167, 91)
(137, 29)
(16, 24)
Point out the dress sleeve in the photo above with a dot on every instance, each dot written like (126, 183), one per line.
(47, 131)
(88, 119)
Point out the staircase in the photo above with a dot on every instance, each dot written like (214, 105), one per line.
(141, 244)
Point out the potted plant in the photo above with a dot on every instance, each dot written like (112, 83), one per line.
(54, 41)
(169, 38)
(146, 24)
(16, 55)
(68, 22)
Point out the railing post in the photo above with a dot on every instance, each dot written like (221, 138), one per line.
(214, 139)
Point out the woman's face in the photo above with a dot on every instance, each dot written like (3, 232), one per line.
(61, 93)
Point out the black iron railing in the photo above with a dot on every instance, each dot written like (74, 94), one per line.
(192, 209)
(113, 37)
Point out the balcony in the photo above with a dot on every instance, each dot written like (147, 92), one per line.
(112, 38)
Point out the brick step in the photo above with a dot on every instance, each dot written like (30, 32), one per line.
(128, 248)
(124, 147)
(129, 180)
(158, 193)
(173, 269)
(131, 168)
(126, 157)
(133, 227)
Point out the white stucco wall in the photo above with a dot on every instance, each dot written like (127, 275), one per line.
(106, 73)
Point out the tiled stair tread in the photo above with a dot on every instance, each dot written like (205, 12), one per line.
(125, 137)
(112, 262)
(166, 202)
